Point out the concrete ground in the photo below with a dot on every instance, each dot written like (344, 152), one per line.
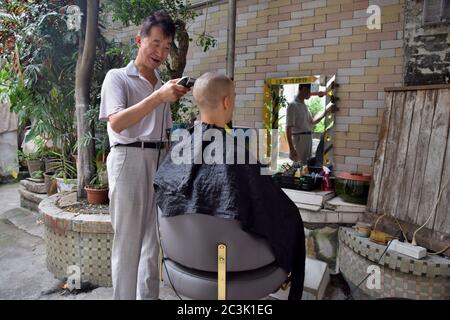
(22, 259)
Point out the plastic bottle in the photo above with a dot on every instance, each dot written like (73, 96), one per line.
(326, 182)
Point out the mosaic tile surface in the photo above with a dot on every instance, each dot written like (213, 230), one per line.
(90, 251)
(401, 276)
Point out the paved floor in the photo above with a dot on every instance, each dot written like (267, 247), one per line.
(24, 274)
(22, 257)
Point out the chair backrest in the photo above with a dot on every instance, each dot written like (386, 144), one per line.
(192, 239)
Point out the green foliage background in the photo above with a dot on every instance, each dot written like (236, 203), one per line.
(315, 106)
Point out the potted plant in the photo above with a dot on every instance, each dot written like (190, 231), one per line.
(65, 172)
(38, 175)
(50, 161)
(34, 162)
(97, 190)
(35, 157)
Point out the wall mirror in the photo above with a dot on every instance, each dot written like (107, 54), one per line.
(279, 93)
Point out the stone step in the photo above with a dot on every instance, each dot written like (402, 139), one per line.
(30, 200)
(26, 220)
(338, 204)
(32, 186)
(317, 278)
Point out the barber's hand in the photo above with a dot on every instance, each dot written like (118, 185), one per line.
(293, 155)
(171, 91)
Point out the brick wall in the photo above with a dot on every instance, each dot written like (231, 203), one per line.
(295, 38)
(115, 31)
(287, 38)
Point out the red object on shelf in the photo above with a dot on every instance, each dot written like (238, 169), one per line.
(326, 182)
(354, 176)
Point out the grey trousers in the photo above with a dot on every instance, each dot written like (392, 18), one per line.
(303, 145)
(135, 250)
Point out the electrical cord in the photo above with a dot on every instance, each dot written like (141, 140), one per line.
(413, 241)
(350, 296)
(440, 251)
(157, 215)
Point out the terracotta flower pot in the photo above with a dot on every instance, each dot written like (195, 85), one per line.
(96, 196)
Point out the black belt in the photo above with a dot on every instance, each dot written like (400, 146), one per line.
(144, 144)
(305, 132)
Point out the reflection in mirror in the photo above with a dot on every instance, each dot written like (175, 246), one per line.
(301, 109)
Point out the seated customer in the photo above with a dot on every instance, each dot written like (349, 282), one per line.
(234, 191)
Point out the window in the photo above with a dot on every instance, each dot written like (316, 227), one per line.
(436, 11)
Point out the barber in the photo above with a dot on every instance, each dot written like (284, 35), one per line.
(299, 124)
(135, 104)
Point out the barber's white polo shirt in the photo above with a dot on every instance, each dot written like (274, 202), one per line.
(123, 88)
(298, 117)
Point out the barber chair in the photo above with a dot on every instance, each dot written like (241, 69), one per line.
(207, 257)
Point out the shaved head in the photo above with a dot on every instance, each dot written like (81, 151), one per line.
(211, 89)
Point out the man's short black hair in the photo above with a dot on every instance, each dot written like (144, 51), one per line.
(161, 19)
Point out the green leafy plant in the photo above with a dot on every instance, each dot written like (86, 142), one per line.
(183, 111)
(272, 109)
(100, 179)
(109, 55)
(37, 54)
(272, 112)
(32, 156)
(39, 174)
(39, 152)
(315, 106)
(64, 167)
(21, 157)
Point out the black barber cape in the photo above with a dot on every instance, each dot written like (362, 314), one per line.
(236, 191)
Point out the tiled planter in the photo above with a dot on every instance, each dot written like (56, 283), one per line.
(83, 240)
(401, 276)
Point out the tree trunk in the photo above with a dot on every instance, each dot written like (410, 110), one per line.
(178, 53)
(83, 78)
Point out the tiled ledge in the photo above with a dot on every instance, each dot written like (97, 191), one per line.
(61, 221)
(329, 216)
(430, 266)
(82, 240)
